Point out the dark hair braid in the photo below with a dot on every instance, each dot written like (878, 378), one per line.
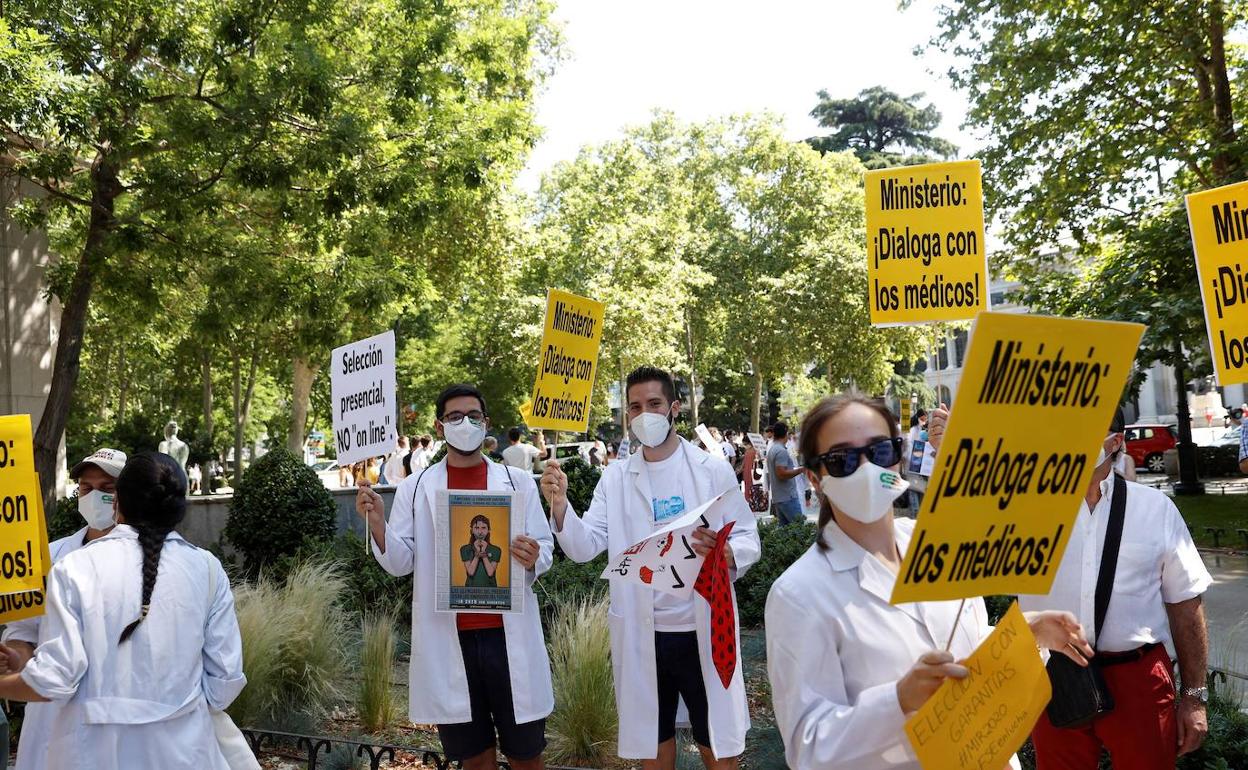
(151, 492)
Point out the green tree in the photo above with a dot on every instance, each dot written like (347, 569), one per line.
(336, 156)
(881, 127)
(785, 238)
(1111, 110)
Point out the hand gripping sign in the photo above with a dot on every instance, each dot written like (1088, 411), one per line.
(978, 722)
(1219, 223)
(1034, 405)
(666, 561)
(926, 259)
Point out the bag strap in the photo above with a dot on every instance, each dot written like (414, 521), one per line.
(1109, 554)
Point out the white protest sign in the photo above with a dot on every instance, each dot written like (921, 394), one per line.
(363, 386)
(759, 443)
(666, 561)
(708, 441)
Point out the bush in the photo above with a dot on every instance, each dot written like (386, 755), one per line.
(293, 645)
(782, 545)
(369, 588)
(582, 479)
(375, 699)
(1217, 461)
(583, 728)
(280, 504)
(567, 583)
(64, 520)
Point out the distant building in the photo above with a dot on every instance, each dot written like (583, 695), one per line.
(30, 321)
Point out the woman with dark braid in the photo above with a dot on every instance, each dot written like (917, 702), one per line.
(140, 640)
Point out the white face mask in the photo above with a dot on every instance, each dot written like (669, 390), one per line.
(866, 494)
(96, 508)
(651, 429)
(466, 436)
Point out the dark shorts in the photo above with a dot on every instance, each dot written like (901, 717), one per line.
(489, 690)
(679, 671)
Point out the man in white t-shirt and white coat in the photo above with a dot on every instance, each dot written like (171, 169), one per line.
(660, 645)
(1155, 604)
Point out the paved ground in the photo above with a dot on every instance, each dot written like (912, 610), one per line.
(1226, 611)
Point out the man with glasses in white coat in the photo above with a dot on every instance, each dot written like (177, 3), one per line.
(483, 679)
(662, 645)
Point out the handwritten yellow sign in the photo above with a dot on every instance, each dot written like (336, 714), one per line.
(978, 722)
(1033, 407)
(21, 554)
(1219, 223)
(926, 258)
(567, 363)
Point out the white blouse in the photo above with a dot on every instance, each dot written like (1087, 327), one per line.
(144, 703)
(836, 649)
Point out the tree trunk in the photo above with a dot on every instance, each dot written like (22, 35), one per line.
(623, 403)
(300, 395)
(205, 375)
(123, 389)
(1226, 168)
(1189, 483)
(756, 399)
(68, 358)
(106, 387)
(693, 371)
(236, 376)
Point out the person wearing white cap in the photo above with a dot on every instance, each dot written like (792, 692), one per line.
(97, 483)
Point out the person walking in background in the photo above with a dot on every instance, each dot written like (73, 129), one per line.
(519, 453)
(490, 448)
(140, 641)
(782, 473)
(393, 468)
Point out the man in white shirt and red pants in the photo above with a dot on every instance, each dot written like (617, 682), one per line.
(1155, 603)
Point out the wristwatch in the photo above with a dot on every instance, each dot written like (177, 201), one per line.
(1201, 694)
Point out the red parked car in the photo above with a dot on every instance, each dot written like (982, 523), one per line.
(1147, 444)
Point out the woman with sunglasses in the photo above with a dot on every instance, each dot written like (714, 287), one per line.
(847, 668)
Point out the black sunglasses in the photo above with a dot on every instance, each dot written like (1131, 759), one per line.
(843, 461)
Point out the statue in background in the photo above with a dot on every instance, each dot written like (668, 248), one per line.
(174, 446)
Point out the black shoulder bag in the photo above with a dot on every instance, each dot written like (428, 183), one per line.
(1080, 694)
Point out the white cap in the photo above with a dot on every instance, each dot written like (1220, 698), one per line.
(111, 461)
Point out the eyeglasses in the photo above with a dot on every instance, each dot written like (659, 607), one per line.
(843, 461)
(455, 418)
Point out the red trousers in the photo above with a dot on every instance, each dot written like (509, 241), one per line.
(1141, 732)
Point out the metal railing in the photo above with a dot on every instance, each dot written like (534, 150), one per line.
(309, 749)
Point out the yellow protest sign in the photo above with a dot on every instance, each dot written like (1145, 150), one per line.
(926, 258)
(567, 362)
(21, 557)
(29, 604)
(976, 723)
(1219, 223)
(1033, 407)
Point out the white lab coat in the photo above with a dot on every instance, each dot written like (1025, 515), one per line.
(438, 682)
(836, 648)
(143, 703)
(619, 516)
(32, 746)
